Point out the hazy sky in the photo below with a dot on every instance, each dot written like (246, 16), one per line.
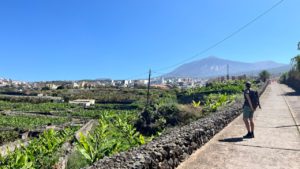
(60, 39)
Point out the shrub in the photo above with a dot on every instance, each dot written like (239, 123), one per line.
(170, 112)
(149, 122)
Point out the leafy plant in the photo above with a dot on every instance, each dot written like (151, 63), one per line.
(196, 104)
(40, 153)
(112, 135)
(214, 101)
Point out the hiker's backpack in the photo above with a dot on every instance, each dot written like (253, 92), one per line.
(254, 98)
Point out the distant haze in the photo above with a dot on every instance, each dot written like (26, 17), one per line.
(214, 66)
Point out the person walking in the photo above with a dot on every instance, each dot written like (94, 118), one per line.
(250, 105)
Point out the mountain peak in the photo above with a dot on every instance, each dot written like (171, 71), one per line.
(212, 57)
(215, 66)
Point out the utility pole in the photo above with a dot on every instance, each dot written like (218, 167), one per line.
(227, 71)
(298, 45)
(148, 91)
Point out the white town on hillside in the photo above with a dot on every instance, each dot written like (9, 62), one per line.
(159, 82)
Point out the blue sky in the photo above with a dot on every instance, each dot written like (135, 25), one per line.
(72, 39)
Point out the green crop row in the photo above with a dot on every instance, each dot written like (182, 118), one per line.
(29, 122)
(65, 109)
(7, 136)
(229, 87)
(115, 133)
(214, 101)
(40, 107)
(41, 153)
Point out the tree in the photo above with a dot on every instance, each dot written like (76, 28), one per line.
(296, 62)
(264, 75)
(60, 87)
(46, 88)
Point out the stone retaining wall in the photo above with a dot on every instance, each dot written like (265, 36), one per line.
(175, 145)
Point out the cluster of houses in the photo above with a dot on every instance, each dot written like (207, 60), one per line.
(224, 78)
(12, 83)
(87, 84)
(161, 82)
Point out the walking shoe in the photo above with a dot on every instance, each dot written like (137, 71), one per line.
(248, 135)
(251, 135)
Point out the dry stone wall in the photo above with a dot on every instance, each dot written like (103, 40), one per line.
(175, 145)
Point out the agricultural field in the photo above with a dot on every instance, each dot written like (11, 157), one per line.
(123, 120)
(29, 122)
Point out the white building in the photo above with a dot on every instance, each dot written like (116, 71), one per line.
(52, 86)
(83, 102)
(75, 85)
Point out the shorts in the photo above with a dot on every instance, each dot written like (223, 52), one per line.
(247, 112)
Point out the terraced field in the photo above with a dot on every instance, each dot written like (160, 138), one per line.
(44, 135)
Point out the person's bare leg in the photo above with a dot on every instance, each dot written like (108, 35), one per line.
(251, 124)
(247, 124)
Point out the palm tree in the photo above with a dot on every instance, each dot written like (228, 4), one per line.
(296, 62)
(264, 75)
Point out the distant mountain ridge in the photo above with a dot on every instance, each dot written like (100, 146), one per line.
(214, 66)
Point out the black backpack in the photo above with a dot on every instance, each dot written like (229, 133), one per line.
(254, 98)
